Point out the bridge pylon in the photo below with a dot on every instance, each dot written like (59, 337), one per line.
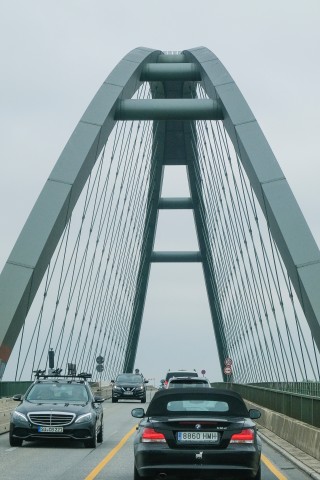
(189, 91)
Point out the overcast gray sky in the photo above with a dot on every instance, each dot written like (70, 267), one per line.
(55, 55)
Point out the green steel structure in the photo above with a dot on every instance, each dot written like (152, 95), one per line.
(175, 107)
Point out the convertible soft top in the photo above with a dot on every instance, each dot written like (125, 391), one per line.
(162, 401)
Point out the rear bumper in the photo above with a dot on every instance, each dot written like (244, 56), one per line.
(233, 462)
(207, 473)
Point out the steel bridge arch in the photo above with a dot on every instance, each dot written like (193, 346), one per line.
(31, 254)
(287, 224)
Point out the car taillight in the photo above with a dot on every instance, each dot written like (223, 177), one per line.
(150, 435)
(166, 384)
(245, 436)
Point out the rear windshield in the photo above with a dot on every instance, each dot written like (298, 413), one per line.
(187, 383)
(181, 374)
(202, 406)
(197, 403)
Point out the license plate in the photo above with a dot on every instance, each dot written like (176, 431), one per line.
(198, 437)
(50, 429)
(128, 393)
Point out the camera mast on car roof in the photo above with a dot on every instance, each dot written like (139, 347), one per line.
(57, 374)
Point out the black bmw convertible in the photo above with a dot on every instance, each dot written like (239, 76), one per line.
(197, 433)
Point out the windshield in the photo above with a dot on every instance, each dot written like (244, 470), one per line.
(129, 378)
(58, 392)
(198, 406)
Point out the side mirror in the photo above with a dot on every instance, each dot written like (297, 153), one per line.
(162, 381)
(98, 399)
(112, 381)
(138, 412)
(254, 413)
(146, 381)
(17, 397)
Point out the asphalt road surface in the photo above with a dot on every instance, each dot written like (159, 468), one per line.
(112, 460)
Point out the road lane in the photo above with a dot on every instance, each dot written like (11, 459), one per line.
(95, 472)
(60, 460)
(112, 460)
(288, 469)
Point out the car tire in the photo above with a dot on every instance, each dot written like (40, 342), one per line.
(114, 400)
(15, 442)
(92, 443)
(258, 474)
(143, 399)
(100, 434)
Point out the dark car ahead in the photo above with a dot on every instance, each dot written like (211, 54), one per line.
(197, 433)
(129, 386)
(59, 408)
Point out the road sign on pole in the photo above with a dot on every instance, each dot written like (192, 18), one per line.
(227, 370)
(228, 362)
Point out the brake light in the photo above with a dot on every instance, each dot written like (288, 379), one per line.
(245, 436)
(150, 435)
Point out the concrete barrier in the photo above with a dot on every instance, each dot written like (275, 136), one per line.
(6, 406)
(301, 435)
(105, 391)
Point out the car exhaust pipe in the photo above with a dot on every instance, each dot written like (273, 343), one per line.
(162, 475)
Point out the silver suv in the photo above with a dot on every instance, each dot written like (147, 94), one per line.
(179, 373)
(181, 382)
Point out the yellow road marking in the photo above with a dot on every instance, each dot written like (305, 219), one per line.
(110, 455)
(273, 469)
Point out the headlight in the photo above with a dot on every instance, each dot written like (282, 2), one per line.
(116, 388)
(20, 417)
(139, 388)
(84, 418)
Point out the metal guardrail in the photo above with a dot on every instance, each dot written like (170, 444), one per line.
(305, 408)
(301, 388)
(8, 389)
